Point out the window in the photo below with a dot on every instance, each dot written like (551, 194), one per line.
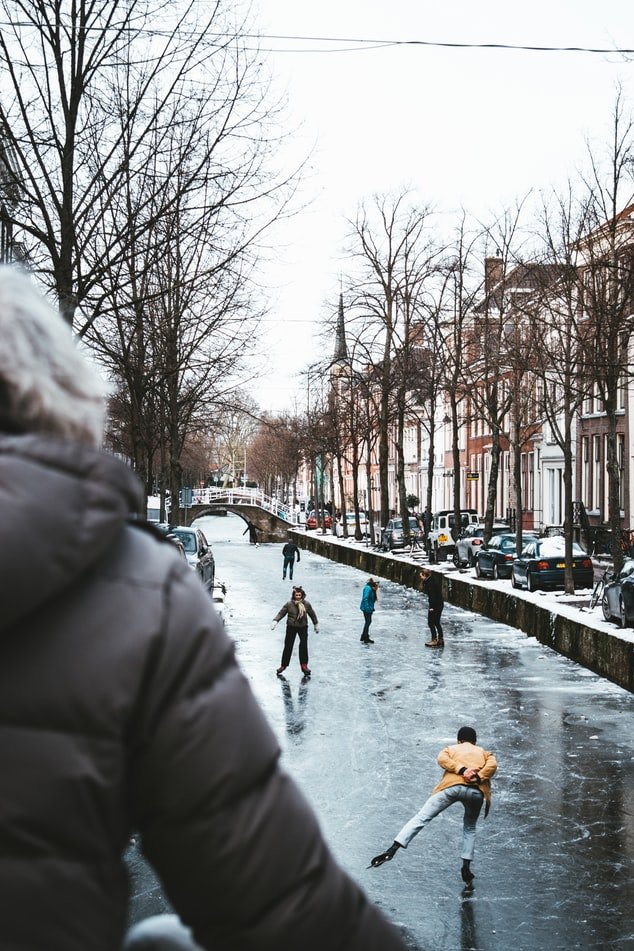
(620, 456)
(585, 471)
(596, 472)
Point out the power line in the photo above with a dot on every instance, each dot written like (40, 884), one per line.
(357, 44)
(375, 43)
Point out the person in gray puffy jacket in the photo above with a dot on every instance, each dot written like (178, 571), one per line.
(122, 706)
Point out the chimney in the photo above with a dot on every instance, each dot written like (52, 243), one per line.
(493, 272)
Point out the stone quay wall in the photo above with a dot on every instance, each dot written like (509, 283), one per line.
(601, 651)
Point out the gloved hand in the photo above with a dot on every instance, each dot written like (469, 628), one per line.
(316, 628)
(386, 856)
(273, 625)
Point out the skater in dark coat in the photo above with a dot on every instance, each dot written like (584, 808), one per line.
(466, 779)
(253, 533)
(297, 611)
(368, 602)
(432, 587)
(290, 551)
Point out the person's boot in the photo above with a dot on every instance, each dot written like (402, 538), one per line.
(305, 670)
(386, 856)
(440, 642)
(280, 671)
(432, 643)
(466, 874)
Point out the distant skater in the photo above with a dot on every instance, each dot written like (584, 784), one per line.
(290, 551)
(297, 612)
(253, 533)
(466, 779)
(432, 587)
(368, 602)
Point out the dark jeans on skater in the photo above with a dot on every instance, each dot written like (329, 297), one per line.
(365, 634)
(289, 561)
(433, 620)
(289, 641)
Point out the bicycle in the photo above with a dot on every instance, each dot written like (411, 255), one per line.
(597, 592)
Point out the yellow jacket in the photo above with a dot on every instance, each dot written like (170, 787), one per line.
(461, 756)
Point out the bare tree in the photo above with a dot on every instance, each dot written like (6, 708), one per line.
(391, 246)
(67, 65)
(559, 337)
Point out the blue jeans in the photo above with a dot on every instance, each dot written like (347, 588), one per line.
(366, 627)
(470, 797)
(289, 561)
(160, 933)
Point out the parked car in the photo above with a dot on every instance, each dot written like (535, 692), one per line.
(495, 560)
(393, 536)
(198, 553)
(176, 542)
(440, 537)
(311, 521)
(470, 541)
(617, 602)
(364, 524)
(542, 564)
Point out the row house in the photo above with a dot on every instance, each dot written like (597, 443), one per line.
(605, 262)
(510, 305)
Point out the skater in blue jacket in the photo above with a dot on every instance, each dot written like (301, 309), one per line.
(368, 601)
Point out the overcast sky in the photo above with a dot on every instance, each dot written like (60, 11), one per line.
(475, 128)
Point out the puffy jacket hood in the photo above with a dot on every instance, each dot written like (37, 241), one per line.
(62, 505)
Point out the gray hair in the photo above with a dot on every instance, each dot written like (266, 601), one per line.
(46, 385)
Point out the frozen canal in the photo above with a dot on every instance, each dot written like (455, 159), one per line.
(553, 860)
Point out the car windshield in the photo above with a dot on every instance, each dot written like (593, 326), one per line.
(507, 544)
(189, 541)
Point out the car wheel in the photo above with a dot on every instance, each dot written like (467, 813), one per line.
(478, 569)
(622, 617)
(457, 559)
(496, 573)
(470, 559)
(531, 581)
(605, 606)
(514, 583)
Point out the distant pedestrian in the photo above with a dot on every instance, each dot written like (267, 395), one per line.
(432, 587)
(290, 551)
(467, 773)
(297, 611)
(368, 603)
(253, 533)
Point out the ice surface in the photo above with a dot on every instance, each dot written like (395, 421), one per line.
(553, 860)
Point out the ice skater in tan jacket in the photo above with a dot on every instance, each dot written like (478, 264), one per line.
(467, 773)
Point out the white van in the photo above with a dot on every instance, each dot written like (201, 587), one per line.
(440, 542)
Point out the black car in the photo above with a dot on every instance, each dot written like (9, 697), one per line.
(617, 602)
(542, 565)
(495, 560)
(392, 535)
(198, 553)
(469, 542)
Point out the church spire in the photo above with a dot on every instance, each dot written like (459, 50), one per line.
(341, 350)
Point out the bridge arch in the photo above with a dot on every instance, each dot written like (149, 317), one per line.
(271, 527)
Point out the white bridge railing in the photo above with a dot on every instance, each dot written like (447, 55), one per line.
(243, 497)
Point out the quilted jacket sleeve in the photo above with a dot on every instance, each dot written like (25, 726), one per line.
(237, 847)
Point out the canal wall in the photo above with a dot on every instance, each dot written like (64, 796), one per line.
(599, 650)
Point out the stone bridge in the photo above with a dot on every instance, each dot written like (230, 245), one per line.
(270, 526)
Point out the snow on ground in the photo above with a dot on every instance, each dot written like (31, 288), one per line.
(573, 606)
